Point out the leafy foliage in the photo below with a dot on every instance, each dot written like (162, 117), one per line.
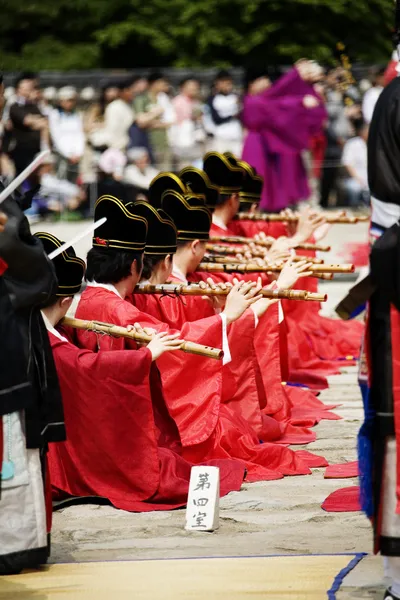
(82, 34)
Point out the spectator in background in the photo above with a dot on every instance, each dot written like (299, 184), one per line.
(355, 160)
(94, 116)
(187, 134)
(26, 124)
(222, 117)
(118, 118)
(158, 115)
(377, 79)
(67, 134)
(54, 195)
(338, 130)
(110, 176)
(139, 171)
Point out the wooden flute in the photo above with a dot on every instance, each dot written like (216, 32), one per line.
(267, 243)
(196, 290)
(117, 331)
(274, 218)
(226, 251)
(252, 268)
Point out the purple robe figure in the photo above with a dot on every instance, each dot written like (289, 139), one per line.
(279, 127)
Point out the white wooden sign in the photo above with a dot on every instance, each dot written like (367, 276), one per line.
(202, 512)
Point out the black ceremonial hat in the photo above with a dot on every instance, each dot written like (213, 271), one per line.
(222, 174)
(70, 269)
(161, 183)
(198, 182)
(252, 183)
(161, 234)
(192, 220)
(123, 230)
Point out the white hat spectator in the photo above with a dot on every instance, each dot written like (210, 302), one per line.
(137, 153)
(68, 92)
(9, 92)
(112, 162)
(87, 94)
(50, 93)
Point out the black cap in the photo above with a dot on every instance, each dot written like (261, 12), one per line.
(124, 229)
(161, 234)
(225, 176)
(192, 220)
(197, 182)
(252, 183)
(161, 183)
(70, 269)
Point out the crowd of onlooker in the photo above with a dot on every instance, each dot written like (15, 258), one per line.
(130, 129)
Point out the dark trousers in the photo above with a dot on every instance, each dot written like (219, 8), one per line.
(22, 157)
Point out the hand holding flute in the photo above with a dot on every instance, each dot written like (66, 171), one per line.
(144, 338)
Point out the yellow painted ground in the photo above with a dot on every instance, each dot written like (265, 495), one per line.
(273, 578)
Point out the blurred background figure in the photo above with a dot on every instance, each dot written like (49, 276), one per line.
(55, 196)
(156, 114)
(67, 134)
(139, 172)
(222, 120)
(377, 79)
(337, 131)
(355, 161)
(118, 118)
(187, 134)
(26, 126)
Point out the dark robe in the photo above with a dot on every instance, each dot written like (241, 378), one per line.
(30, 401)
(379, 441)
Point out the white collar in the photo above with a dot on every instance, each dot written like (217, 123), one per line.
(52, 329)
(176, 272)
(106, 286)
(219, 223)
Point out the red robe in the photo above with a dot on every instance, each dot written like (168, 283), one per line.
(115, 448)
(257, 358)
(318, 346)
(208, 428)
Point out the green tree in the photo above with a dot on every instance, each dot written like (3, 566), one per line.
(81, 34)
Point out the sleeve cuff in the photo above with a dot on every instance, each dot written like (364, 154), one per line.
(225, 344)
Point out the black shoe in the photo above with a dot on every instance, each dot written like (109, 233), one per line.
(390, 596)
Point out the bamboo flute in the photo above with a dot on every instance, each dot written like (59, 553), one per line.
(230, 251)
(274, 218)
(117, 331)
(251, 268)
(196, 290)
(266, 243)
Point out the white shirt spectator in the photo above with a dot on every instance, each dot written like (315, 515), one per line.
(224, 111)
(169, 115)
(67, 133)
(118, 118)
(140, 178)
(370, 99)
(355, 155)
(53, 187)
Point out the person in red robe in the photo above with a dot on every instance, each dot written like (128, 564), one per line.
(259, 394)
(316, 343)
(126, 459)
(207, 428)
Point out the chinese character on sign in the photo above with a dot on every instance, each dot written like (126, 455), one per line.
(200, 519)
(201, 502)
(203, 483)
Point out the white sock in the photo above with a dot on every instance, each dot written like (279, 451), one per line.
(392, 570)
